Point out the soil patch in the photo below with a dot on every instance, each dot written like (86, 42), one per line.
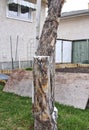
(74, 70)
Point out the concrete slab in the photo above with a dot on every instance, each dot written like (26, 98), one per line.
(20, 82)
(72, 89)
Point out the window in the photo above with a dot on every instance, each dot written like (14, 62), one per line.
(20, 11)
(25, 12)
(13, 10)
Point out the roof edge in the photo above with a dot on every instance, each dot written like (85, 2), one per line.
(75, 13)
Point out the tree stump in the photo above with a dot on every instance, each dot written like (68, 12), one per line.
(43, 99)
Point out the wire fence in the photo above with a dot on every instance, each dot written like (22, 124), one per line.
(19, 54)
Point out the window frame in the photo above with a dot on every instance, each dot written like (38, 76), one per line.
(19, 17)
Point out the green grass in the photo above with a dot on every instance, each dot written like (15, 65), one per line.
(70, 118)
(16, 114)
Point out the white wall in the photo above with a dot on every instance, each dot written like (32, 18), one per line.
(58, 51)
(26, 31)
(74, 28)
(63, 51)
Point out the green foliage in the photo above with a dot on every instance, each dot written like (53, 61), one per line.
(29, 69)
(16, 114)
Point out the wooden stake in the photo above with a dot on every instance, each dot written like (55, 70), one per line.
(38, 15)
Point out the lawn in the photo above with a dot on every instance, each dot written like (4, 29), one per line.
(16, 114)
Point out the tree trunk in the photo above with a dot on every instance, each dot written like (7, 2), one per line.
(43, 98)
(44, 76)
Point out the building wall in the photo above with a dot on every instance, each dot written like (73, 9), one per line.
(74, 28)
(20, 31)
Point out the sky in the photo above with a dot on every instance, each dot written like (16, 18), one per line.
(71, 5)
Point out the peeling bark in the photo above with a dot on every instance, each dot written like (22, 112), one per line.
(43, 107)
(44, 71)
